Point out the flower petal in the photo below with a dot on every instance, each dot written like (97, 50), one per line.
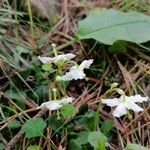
(86, 64)
(63, 57)
(45, 60)
(66, 100)
(74, 73)
(51, 105)
(77, 73)
(111, 102)
(67, 77)
(131, 105)
(120, 110)
(138, 98)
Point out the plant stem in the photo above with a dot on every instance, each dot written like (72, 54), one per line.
(66, 44)
(30, 15)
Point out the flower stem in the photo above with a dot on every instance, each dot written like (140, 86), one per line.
(72, 62)
(66, 44)
(54, 93)
(54, 49)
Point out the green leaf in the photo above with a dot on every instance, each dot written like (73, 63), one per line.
(14, 124)
(118, 47)
(22, 49)
(54, 123)
(97, 140)
(82, 138)
(42, 91)
(76, 144)
(93, 118)
(15, 95)
(46, 67)
(67, 110)
(107, 125)
(70, 127)
(33, 147)
(73, 145)
(109, 25)
(135, 147)
(34, 127)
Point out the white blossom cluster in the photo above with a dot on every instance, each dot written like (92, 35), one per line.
(75, 72)
(123, 103)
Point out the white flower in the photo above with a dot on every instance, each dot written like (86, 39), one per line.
(55, 104)
(63, 57)
(76, 72)
(125, 102)
(45, 60)
(67, 100)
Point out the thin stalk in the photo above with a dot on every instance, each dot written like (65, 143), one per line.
(30, 15)
(66, 44)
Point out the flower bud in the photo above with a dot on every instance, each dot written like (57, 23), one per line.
(115, 84)
(120, 91)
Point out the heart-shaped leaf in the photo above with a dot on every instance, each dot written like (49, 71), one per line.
(34, 127)
(108, 26)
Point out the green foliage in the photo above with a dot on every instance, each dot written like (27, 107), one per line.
(107, 125)
(54, 123)
(15, 95)
(93, 118)
(73, 145)
(33, 147)
(118, 47)
(42, 91)
(22, 49)
(109, 25)
(135, 147)
(97, 140)
(34, 127)
(76, 144)
(67, 110)
(14, 124)
(46, 67)
(70, 127)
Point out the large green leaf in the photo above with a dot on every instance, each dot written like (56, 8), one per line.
(34, 127)
(135, 147)
(109, 25)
